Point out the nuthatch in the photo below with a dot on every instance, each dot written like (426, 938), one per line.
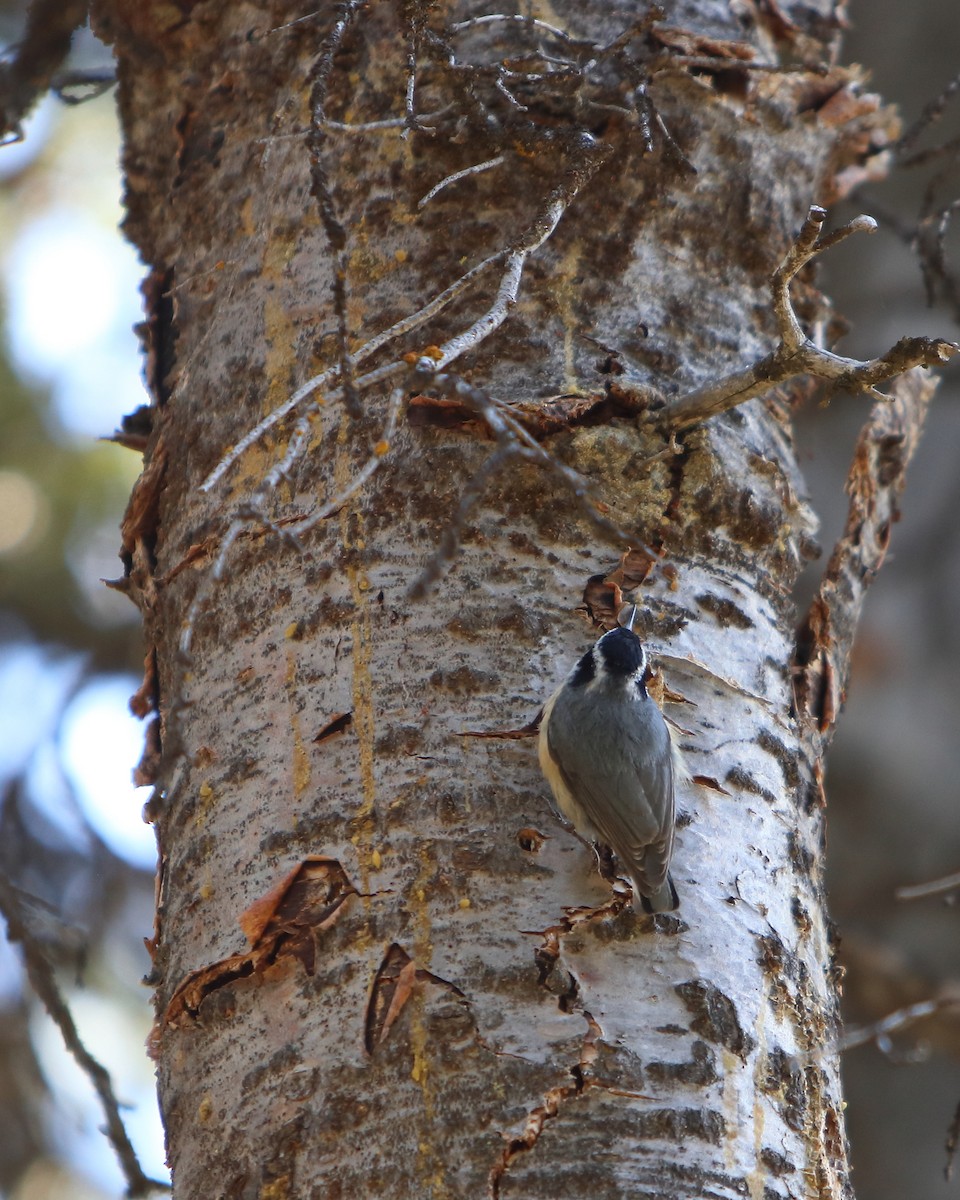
(607, 754)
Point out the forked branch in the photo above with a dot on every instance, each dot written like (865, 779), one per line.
(796, 353)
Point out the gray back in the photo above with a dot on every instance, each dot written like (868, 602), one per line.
(613, 748)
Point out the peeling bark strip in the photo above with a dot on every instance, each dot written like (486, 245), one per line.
(560, 229)
(284, 923)
(874, 484)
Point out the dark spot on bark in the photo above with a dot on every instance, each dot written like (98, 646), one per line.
(238, 769)
(469, 858)
(714, 1016)
(284, 1060)
(666, 924)
(463, 680)
(772, 953)
(726, 612)
(700, 1071)
(784, 1080)
(522, 621)
(220, 1005)
(752, 524)
(545, 956)
(449, 809)
(801, 916)
(776, 1163)
(618, 1066)
(400, 739)
(567, 1000)
(743, 781)
(471, 624)
(524, 544)
(664, 625)
(317, 573)
(676, 1125)
(799, 854)
(333, 612)
(788, 762)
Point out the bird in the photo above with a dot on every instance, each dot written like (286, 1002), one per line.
(605, 749)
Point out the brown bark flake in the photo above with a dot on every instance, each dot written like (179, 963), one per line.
(283, 923)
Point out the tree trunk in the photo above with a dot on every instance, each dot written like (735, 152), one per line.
(382, 966)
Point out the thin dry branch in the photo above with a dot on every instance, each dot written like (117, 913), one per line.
(381, 448)
(926, 236)
(880, 1031)
(533, 23)
(935, 887)
(797, 354)
(253, 510)
(476, 169)
(931, 114)
(44, 983)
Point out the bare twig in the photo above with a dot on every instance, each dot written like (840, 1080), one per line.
(797, 354)
(43, 981)
(929, 241)
(577, 156)
(880, 1031)
(398, 123)
(458, 175)
(381, 448)
(481, 329)
(539, 231)
(936, 887)
(931, 114)
(472, 337)
(527, 22)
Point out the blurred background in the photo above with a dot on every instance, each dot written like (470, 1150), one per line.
(71, 835)
(72, 840)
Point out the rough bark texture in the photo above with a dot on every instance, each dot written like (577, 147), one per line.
(382, 967)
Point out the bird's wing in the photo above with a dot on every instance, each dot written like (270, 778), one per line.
(626, 796)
